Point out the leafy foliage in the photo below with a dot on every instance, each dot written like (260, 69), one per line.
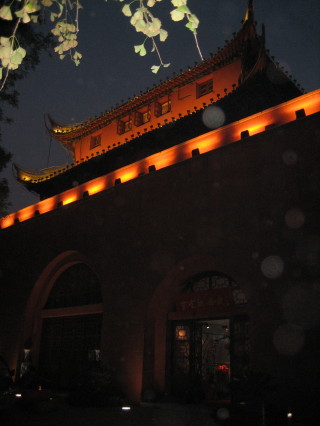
(64, 16)
(35, 43)
(145, 22)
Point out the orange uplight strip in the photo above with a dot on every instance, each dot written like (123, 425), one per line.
(46, 205)
(95, 187)
(256, 123)
(69, 199)
(129, 174)
(164, 158)
(7, 221)
(26, 213)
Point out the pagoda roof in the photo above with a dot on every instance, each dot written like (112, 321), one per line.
(235, 104)
(254, 84)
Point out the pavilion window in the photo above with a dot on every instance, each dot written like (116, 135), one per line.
(95, 141)
(204, 88)
(124, 126)
(161, 108)
(142, 117)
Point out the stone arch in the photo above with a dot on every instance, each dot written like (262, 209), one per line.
(35, 309)
(161, 304)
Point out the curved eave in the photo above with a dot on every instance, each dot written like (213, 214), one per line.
(25, 176)
(231, 52)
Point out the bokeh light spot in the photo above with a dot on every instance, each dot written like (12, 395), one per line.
(294, 218)
(223, 414)
(290, 157)
(272, 267)
(213, 117)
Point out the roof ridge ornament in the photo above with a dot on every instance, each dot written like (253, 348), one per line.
(249, 12)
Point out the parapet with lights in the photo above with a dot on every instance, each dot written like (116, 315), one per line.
(295, 109)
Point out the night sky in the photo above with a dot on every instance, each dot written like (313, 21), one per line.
(110, 70)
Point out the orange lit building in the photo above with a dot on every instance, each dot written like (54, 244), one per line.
(177, 247)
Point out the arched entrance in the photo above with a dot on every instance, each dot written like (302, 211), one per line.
(71, 327)
(209, 337)
(63, 322)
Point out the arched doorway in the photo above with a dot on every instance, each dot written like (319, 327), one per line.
(210, 337)
(71, 327)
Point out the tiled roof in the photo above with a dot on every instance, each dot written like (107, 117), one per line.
(233, 49)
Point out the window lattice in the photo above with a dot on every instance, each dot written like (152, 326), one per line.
(95, 141)
(76, 286)
(204, 88)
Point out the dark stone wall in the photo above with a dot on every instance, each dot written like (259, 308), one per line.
(251, 207)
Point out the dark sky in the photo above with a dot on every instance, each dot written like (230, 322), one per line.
(110, 70)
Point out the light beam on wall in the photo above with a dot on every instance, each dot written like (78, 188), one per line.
(257, 123)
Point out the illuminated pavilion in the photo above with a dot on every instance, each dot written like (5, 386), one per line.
(176, 248)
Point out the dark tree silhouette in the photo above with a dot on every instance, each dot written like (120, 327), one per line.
(35, 43)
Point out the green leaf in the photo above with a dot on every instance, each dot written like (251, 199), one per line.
(5, 13)
(140, 26)
(176, 15)
(191, 27)
(26, 18)
(143, 51)
(20, 13)
(137, 16)
(34, 19)
(166, 65)
(140, 49)
(126, 10)
(13, 66)
(155, 68)
(59, 49)
(163, 34)
(53, 16)
(1, 73)
(183, 9)
(178, 3)
(21, 51)
(77, 55)
(151, 3)
(5, 62)
(16, 58)
(60, 9)
(72, 28)
(193, 23)
(153, 28)
(193, 18)
(137, 48)
(5, 41)
(32, 6)
(5, 52)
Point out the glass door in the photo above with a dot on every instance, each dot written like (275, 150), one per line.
(201, 359)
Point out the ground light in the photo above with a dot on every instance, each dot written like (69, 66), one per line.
(126, 408)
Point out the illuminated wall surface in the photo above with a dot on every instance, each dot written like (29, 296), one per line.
(182, 100)
(257, 123)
